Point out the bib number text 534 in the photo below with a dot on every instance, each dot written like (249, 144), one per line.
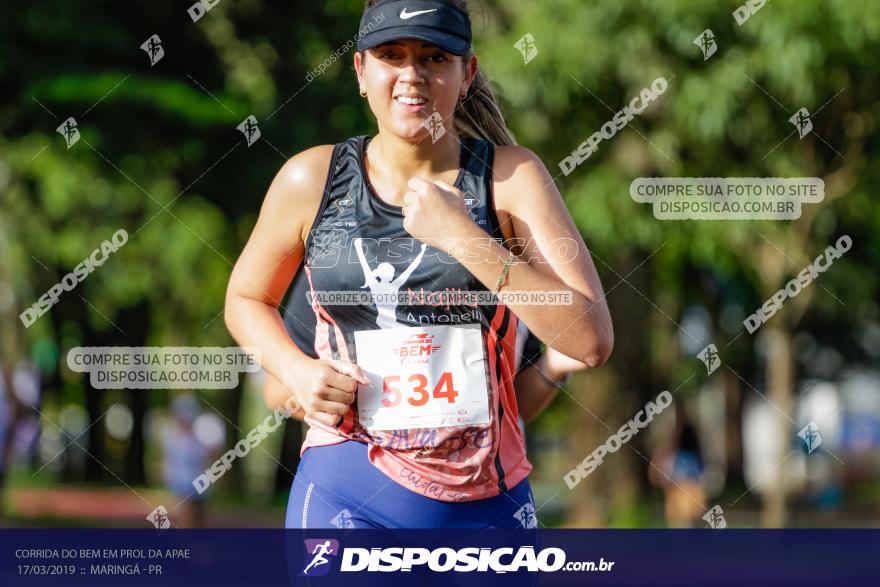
(417, 394)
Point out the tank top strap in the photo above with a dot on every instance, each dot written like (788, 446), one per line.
(477, 162)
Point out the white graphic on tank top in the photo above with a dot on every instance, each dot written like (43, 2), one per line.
(470, 202)
(383, 288)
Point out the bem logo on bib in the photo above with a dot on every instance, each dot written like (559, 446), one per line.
(418, 345)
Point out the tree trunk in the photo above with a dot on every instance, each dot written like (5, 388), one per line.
(733, 429)
(135, 322)
(94, 470)
(780, 381)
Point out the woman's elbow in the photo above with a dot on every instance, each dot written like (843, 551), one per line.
(600, 350)
(231, 309)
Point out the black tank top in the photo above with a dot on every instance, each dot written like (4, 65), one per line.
(357, 237)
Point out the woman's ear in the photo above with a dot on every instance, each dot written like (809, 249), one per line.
(471, 70)
(359, 67)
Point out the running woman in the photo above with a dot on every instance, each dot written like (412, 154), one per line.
(416, 425)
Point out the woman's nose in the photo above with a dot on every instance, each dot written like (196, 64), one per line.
(410, 72)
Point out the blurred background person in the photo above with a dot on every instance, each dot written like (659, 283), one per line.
(185, 458)
(678, 470)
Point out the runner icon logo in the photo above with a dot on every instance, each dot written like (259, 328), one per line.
(715, 518)
(709, 356)
(434, 124)
(526, 516)
(153, 48)
(706, 42)
(810, 435)
(69, 131)
(801, 121)
(159, 518)
(250, 130)
(343, 519)
(527, 47)
(319, 551)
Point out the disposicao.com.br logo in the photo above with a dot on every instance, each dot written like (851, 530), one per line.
(443, 559)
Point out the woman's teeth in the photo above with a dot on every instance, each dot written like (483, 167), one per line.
(411, 101)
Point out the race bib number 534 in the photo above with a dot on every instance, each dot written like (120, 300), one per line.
(422, 377)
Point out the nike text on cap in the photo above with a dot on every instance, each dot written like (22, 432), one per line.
(433, 21)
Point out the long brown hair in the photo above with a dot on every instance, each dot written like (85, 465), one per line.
(478, 114)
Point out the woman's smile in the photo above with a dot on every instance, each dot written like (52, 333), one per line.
(411, 102)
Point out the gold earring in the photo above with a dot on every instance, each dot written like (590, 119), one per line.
(363, 92)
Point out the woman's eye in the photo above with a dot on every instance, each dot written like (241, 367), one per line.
(437, 58)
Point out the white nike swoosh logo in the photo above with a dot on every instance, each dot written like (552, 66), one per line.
(405, 15)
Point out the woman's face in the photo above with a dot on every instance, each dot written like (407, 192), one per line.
(408, 80)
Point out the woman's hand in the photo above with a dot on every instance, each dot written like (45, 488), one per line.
(434, 212)
(325, 388)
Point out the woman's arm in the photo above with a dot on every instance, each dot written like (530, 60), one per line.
(536, 385)
(276, 395)
(274, 251)
(523, 188)
(412, 267)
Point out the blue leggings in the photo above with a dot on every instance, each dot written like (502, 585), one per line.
(336, 486)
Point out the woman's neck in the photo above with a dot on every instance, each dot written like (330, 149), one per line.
(391, 161)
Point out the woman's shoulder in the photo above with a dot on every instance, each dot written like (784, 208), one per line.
(298, 188)
(516, 168)
(307, 170)
(509, 157)
(300, 181)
